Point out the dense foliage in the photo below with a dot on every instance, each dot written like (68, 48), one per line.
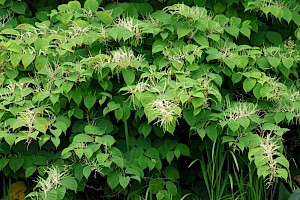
(150, 99)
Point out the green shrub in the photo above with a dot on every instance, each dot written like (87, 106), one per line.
(128, 96)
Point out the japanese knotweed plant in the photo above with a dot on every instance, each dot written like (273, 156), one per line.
(124, 94)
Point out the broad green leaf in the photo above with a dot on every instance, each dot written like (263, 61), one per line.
(274, 61)
(74, 5)
(233, 125)
(274, 37)
(92, 5)
(279, 117)
(3, 162)
(232, 30)
(10, 138)
(249, 84)
(105, 17)
(183, 31)
(201, 40)
(51, 194)
(124, 181)
(41, 44)
(16, 163)
(282, 161)
(129, 76)
(18, 7)
(113, 179)
(219, 7)
(92, 129)
(170, 156)
(288, 62)
(10, 32)
(143, 162)
(41, 124)
(287, 15)
(89, 101)
(184, 149)
(171, 172)
(69, 182)
(15, 59)
(87, 170)
(145, 129)
(156, 185)
(159, 45)
(60, 192)
(245, 31)
(82, 138)
(171, 187)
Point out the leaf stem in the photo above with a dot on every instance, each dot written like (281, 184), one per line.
(126, 134)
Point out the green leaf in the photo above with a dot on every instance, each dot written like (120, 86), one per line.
(87, 170)
(51, 194)
(113, 179)
(282, 161)
(201, 39)
(170, 156)
(40, 96)
(171, 172)
(42, 15)
(124, 181)
(145, 129)
(29, 171)
(10, 138)
(3, 162)
(248, 84)
(41, 124)
(244, 121)
(107, 140)
(92, 129)
(156, 185)
(236, 77)
(2, 2)
(295, 195)
(219, 7)
(183, 149)
(287, 14)
(18, 7)
(274, 37)
(129, 76)
(41, 44)
(158, 45)
(69, 182)
(143, 162)
(211, 132)
(74, 5)
(232, 30)
(245, 31)
(10, 31)
(183, 31)
(16, 163)
(105, 17)
(60, 191)
(171, 187)
(92, 5)
(15, 59)
(288, 62)
(279, 117)
(152, 152)
(233, 125)
(82, 138)
(89, 101)
(274, 61)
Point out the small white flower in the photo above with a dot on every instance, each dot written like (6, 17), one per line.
(166, 112)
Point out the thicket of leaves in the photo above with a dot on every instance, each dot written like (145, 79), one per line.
(149, 100)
